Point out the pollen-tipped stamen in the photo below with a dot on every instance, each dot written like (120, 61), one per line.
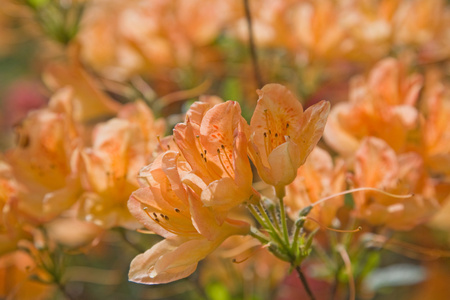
(332, 229)
(362, 189)
(223, 165)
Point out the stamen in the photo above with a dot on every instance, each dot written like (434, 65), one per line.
(266, 144)
(226, 156)
(253, 253)
(177, 210)
(223, 165)
(363, 189)
(168, 226)
(408, 249)
(145, 231)
(160, 144)
(201, 147)
(332, 229)
(270, 148)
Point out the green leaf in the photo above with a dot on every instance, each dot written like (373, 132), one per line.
(349, 202)
(218, 291)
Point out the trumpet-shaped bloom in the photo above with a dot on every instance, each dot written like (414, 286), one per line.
(378, 166)
(166, 205)
(316, 179)
(213, 140)
(382, 106)
(282, 134)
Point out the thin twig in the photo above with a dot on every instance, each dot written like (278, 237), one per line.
(305, 283)
(251, 40)
(348, 267)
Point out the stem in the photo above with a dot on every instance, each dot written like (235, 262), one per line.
(257, 216)
(294, 245)
(63, 290)
(253, 54)
(335, 284)
(348, 267)
(283, 221)
(281, 192)
(272, 230)
(305, 283)
(123, 235)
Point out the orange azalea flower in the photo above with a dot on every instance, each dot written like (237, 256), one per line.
(10, 231)
(214, 142)
(379, 167)
(121, 39)
(120, 148)
(381, 106)
(167, 206)
(90, 103)
(282, 135)
(16, 270)
(316, 179)
(436, 131)
(41, 161)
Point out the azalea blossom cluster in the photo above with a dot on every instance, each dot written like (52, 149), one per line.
(145, 32)
(188, 196)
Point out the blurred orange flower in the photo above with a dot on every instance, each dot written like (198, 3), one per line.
(16, 270)
(42, 160)
(381, 106)
(319, 177)
(436, 131)
(378, 166)
(121, 146)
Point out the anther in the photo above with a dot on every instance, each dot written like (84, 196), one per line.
(155, 215)
(166, 217)
(177, 210)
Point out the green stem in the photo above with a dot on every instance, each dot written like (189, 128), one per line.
(272, 230)
(257, 216)
(258, 235)
(305, 283)
(294, 245)
(280, 195)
